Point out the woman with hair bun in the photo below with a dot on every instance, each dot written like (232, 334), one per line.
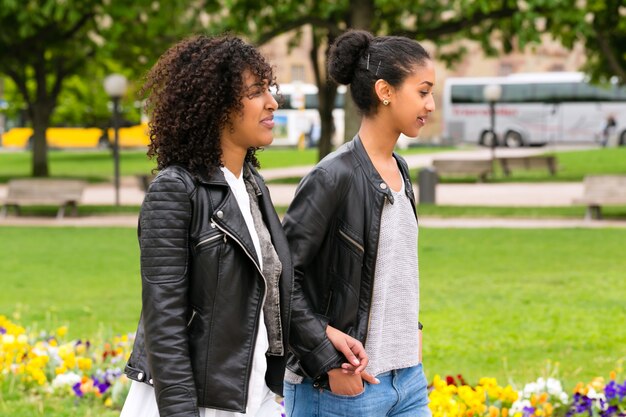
(352, 229)
(216, 272)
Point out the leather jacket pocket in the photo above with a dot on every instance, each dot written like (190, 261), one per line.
(351, 240)
(348, 256)
(209, 240)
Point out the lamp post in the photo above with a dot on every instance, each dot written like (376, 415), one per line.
(492, 93)
(115, 86)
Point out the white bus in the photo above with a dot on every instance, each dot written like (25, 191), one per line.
(534, 109)
(298, 119)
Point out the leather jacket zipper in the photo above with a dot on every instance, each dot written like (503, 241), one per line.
(349, 239)
(193, 315)
(226, 233)
(256, 327)
(212, 238)
(330, 299)
(369, 313)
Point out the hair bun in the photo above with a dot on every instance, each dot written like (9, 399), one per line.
(345, 54)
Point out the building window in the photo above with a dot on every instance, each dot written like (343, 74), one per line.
(297, 72)
(505, 69)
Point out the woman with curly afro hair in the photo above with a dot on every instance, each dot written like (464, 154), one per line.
(217, 280)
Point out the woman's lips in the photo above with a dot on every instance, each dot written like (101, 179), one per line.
(268, 122)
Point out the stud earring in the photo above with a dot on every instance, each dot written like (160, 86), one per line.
(385, 102)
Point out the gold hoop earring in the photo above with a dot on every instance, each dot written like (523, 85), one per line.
(385, 102)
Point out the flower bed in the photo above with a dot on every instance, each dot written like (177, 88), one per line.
(46, 363)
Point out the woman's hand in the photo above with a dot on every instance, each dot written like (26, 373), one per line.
(354, 352)
(344, 384)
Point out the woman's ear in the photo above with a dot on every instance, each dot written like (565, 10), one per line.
(383, 90)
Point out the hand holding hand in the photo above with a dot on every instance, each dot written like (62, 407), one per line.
(344, 384)
(354, 352)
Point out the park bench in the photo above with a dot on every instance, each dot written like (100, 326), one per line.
(509, 163)
(480, 168)
(602, 190)
(64, 193)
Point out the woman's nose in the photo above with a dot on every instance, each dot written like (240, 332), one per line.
(272, 103)
(430, 104)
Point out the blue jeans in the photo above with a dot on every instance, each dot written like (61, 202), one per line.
(401, 393)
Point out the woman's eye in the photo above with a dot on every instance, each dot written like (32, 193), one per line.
(257, 92)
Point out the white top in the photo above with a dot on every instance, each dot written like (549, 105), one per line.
(393, 335)
(141, 401)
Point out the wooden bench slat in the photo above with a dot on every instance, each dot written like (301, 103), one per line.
(65, 193)
(509, 163)
(602, 190)
(478, 167)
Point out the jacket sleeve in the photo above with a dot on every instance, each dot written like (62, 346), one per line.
(306, 223)
(164, 223)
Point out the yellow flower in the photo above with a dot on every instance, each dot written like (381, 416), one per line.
(108, 402)
(84, 364)
(493, 411)
(62, 331)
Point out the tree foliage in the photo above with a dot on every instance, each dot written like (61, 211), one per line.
(601, 26)
(43, 43)
(500, 26)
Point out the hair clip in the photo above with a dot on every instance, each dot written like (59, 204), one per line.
(368, 62)
(377, 68)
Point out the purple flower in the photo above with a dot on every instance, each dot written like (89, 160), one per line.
(581, 404)
(610, 391)
(528, 411)
(2, 330)
(621, 390)
(102, 386)
(77, 391)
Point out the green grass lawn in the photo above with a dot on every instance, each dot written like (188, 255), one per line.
(97, 166)
(501, 302)
(495, 302)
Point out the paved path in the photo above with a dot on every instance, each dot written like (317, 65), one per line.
(425, 221)
(507, 194)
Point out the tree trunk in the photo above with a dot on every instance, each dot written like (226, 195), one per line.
(361, 15)
(40, 117)
(327, 95)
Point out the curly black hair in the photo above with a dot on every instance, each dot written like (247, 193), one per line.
(192, 90)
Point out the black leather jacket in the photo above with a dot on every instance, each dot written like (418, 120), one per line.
(333, 227)
(202, 293)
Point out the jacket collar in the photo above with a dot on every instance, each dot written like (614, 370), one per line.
(216, 177)
(374, 177)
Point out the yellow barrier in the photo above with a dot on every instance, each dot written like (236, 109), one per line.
(78, 137)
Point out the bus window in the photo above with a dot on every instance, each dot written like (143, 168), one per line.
(516, 93)
(467, 93)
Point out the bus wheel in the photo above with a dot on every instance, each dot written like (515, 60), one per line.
(486, 138)
(30, 143)
(513, 139)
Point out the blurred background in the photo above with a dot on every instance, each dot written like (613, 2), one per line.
(520, 176)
